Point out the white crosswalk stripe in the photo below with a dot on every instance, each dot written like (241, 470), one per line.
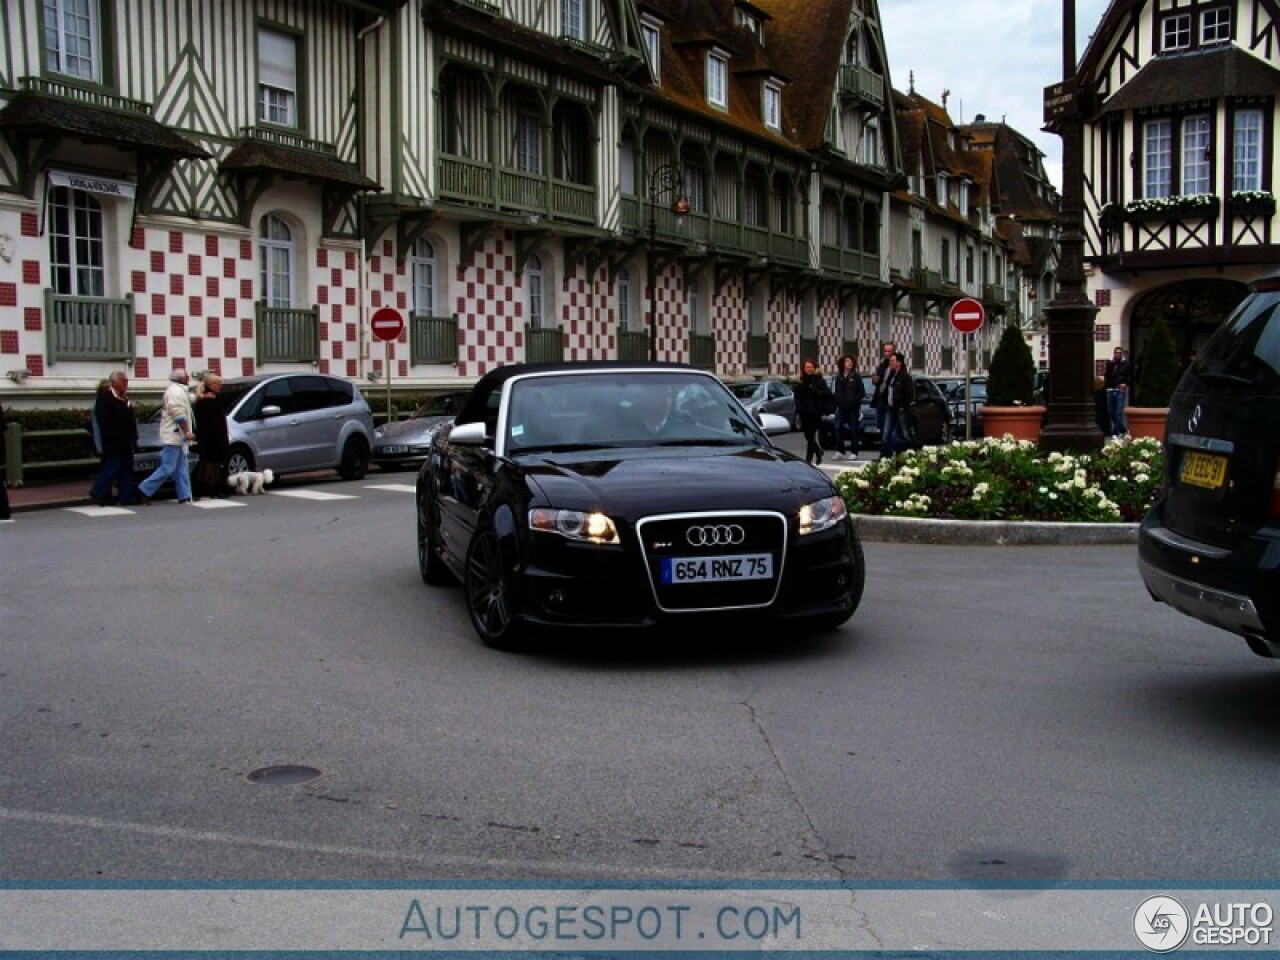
(311, 495)
(101, 511)
(393, 487)
(217, 504)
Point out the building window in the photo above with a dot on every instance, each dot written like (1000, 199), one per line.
(528, 143)
(76, 247)
(575, 19)
(1215, 25)
(695, 188)
(697, 320)
(717, 72)
(755, 315)
(851, 48)
(627, 163)
(945, 253)
(964, 198)
(1157, 156)
(1246, 171)
(1175, 32)
(753, 204)
(626, 301)
(871, 144)
(942, 189)
(534, 286)
(653, 47)
(754, 25)
(277, 78)
(422, 268)
(275, 245)
(870, 228)
(772, 107)
(1195, 155)
(71, 38)
(968, 264)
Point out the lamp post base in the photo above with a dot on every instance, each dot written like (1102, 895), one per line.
(1071, 426)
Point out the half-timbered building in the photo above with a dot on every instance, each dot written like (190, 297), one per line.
(1181, 105)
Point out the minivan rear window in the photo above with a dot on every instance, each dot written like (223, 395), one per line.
(1247, 346)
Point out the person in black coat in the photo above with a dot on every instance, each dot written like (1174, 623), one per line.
(813, 399)
(211, 438)
(899, 391)
(117, 432)
(849, 393)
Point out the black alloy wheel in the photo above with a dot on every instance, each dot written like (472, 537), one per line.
(355, 459)
(488, 590)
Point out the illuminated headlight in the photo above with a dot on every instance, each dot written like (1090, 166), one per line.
(821, 514)
(574, 524)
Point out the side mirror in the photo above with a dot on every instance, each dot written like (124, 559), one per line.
(772, 424)
(270, 410)
(468, 434)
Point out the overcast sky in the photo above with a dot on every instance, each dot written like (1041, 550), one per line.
(995, 56)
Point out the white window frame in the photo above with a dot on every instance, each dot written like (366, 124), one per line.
(773, 106)
(1197, 166)
(77, 243)
(574, 18)
(1175, 32)
(942, 189)
(695, 187)
(535, 288)
(871, 143)
(1215, 25)
(1157, 159)
(528, 142)
(651, 31)
(72, 39)
(627, 319)
(422, 274)
(277, 270)
(277, 77)
(1246, 161)
(717, 80)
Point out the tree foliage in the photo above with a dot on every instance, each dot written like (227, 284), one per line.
(1012, 378)
(1160, 372)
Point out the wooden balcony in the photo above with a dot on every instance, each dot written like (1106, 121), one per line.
(861, 85)
(633, 345)
(287, 334)
(433, 339)
(481, 184)
(88, 328)
(543, 344)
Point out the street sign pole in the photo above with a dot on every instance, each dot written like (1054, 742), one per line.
(967, 316)
(387, 325)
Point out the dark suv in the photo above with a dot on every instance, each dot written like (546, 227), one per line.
(1210, 546)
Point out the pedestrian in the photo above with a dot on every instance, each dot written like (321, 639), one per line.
(1118, 378)
(899, 392)
(813, 399)
(115, 429)
(176, 433)
(879, 401)
(849, 393)
(5, 515)
(1101, 415)
(214, 448)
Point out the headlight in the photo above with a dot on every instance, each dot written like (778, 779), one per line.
(821, 514)
(574, 525)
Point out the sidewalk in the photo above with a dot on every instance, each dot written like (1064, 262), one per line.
(46, 496)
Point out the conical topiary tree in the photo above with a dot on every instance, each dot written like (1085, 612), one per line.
(1160, 373)
(1011, 381)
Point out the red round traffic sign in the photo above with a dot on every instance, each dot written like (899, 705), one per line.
(387, 323)
(967, 315)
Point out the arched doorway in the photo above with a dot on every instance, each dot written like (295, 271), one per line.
(1192, 308)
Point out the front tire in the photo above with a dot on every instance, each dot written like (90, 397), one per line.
(239, 460)
(490, 603)
(355, 459)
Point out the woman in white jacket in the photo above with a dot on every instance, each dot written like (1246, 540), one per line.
(176, 433)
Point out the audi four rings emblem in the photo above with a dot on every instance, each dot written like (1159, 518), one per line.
(715, 535)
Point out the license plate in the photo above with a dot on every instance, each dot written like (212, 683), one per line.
(393, 448)
(745, 566)
(1203, 470)
(140, 465)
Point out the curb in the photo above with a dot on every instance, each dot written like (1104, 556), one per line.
(992, 533)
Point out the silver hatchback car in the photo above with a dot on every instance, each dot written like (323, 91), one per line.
(291, 422)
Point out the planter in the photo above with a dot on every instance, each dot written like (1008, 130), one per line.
(1021, 423)
(1146, 422)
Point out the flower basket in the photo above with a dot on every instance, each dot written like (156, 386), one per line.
(1164, 209)
(1252, 204)
(1146, 422)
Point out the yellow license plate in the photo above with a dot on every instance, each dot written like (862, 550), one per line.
(1204, 470)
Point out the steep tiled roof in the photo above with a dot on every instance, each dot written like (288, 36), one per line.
(254, 156)
(806, 37)
(1202, 75)
(1013, 178)
(34, 114)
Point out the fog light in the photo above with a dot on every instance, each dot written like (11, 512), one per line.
(556, 598)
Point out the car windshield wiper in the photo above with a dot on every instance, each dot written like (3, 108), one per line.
(702, 442)
(1215, 376)
(562, 447)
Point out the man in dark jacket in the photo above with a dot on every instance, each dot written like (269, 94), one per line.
(1118, 377)
(118, 435)
(879, 399)
(849, 393)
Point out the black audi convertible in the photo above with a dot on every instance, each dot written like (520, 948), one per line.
(627, 495)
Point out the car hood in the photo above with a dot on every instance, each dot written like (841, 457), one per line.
(408, 429)
(643, 482)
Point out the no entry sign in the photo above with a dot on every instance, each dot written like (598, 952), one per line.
(967, 315)
(387, 323)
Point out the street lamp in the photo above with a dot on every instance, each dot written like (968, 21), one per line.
(664, 184)
(1071, 425)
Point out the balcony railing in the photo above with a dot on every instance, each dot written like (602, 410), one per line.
(88, 95)
(860, 83)
(633, 345)
(702, 351)
(465, 180)
(543, 344)
(993, 293)
(433, 339)
(852, 263)
(287, 334)
(809, 349)
(88, 328)
(757, 350)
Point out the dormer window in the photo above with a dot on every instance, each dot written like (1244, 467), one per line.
(773, 106)
(1215, 25)
(717, 80)
(71, 36)
(575, 19)
(964, 199)
(651, 30)
(752, 23)
(942, 189)
(1175, 32)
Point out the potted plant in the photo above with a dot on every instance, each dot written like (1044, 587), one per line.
(1011, 383)
(1158, 376)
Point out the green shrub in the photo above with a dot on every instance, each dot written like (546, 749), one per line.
(1160, 372)
(1011, 380)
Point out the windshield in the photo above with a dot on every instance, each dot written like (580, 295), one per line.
(625, 408)
(748, 391)
(1247, 346)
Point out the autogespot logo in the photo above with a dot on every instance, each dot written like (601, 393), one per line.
(1161, 924)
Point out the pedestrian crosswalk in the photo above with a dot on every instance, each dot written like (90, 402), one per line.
(300, 493)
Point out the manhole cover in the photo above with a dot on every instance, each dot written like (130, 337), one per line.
(286, 774)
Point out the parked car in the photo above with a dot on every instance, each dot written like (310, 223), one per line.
(405, 443)
(147, 456)
(1210, 546)
(768, 396)
(930, 418)
(290, 422)
(611, 495)
(960, 409)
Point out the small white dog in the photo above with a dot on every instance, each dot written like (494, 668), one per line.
(248, 481)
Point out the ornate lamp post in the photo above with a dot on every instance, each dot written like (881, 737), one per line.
(1070, 423)
(664, 184)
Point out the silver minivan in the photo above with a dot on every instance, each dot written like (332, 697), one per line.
(291, 422)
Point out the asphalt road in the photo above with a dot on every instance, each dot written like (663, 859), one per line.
(990, 713)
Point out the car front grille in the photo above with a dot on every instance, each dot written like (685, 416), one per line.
(730, 547)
